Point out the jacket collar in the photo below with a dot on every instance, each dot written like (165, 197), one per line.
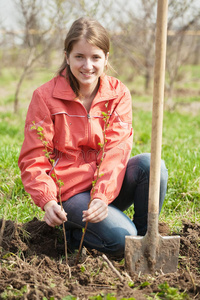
(106, 89)
(63, 90)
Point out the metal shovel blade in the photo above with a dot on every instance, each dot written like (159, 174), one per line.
(139, 257)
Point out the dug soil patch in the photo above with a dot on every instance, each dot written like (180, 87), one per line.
(33, 267)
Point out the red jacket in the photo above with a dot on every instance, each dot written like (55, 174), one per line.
(73, 136)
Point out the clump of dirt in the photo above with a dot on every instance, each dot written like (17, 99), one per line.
(33, 267)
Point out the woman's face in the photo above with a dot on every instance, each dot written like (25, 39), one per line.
(87, 64)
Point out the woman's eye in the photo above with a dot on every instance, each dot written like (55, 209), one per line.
(96, 57)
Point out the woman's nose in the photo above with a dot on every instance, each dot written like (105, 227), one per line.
(88, 64)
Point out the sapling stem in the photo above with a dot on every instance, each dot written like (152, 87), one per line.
(59, 182)
(94, 182)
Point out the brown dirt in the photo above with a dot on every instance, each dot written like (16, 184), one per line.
(33, 267)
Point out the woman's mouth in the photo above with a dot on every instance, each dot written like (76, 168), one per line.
(87, 74)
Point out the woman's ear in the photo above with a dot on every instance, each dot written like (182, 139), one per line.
(106, 60)
(67, 58)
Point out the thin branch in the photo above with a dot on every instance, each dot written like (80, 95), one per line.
(2, 230)
(113, 268)
(59, 182)
(102, 149)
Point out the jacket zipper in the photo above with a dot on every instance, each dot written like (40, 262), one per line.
(89, 127)
(88, 123)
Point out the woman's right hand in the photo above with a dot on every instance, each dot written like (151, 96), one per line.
(54, 215)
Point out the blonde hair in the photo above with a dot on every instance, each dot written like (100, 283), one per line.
(94, 33)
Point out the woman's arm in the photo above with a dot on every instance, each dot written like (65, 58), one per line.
(33, 164)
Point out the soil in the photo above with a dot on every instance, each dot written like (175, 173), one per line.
(33, 266)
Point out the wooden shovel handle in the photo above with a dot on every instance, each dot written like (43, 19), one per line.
(158, 99)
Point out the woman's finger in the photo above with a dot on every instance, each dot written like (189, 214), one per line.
(98, 218)
(48, 221)
(95, 213)
(54, 215)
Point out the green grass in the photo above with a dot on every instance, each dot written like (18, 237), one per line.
(16, 204)
(190, 75)
(188, 99)
(9, 80)
(8, 75)
(192, 70)
(180, 150)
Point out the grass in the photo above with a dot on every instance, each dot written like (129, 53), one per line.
(16, 204)
(180, 150)
(189, 78)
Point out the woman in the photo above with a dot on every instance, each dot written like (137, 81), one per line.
(69, 109)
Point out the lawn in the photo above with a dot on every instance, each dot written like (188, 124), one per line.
(180, 151)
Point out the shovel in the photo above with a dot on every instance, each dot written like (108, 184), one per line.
(154, 253)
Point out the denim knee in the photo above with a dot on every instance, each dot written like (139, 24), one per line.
(143, 162)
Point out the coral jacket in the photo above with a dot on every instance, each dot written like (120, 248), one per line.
(73, 137)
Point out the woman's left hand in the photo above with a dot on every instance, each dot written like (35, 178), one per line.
(97, 211)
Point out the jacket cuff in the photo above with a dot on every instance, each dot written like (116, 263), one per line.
(43, 200)
(101, 196)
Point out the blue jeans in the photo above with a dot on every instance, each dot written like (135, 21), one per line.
(108, 236)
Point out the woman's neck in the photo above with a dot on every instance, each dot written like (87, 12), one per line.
(89, 93)
(87, 96)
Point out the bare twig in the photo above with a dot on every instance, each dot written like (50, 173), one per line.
(36, 287)
(128, 276)
(63, 223)
(102, 149)
(112, 267)
(191, 277)
(2, 230)
(59, 182)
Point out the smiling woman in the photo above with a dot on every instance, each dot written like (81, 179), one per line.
(71, 109)
(88, 43)
(87, 64)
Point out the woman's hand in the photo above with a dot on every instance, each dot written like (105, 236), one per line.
(97, 211)
(54, 215)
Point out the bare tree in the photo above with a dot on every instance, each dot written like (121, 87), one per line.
(135, 38)
(98, 9)
(43, 26)
(39, 33)
(183, 16)
(196, 60)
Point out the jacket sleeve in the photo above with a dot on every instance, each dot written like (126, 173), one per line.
(119, 136)
(32, 162)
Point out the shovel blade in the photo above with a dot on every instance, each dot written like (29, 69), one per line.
(138, 258)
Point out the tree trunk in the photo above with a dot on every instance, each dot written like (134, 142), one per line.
(147, 81)
(197, 53)
(25, 70)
